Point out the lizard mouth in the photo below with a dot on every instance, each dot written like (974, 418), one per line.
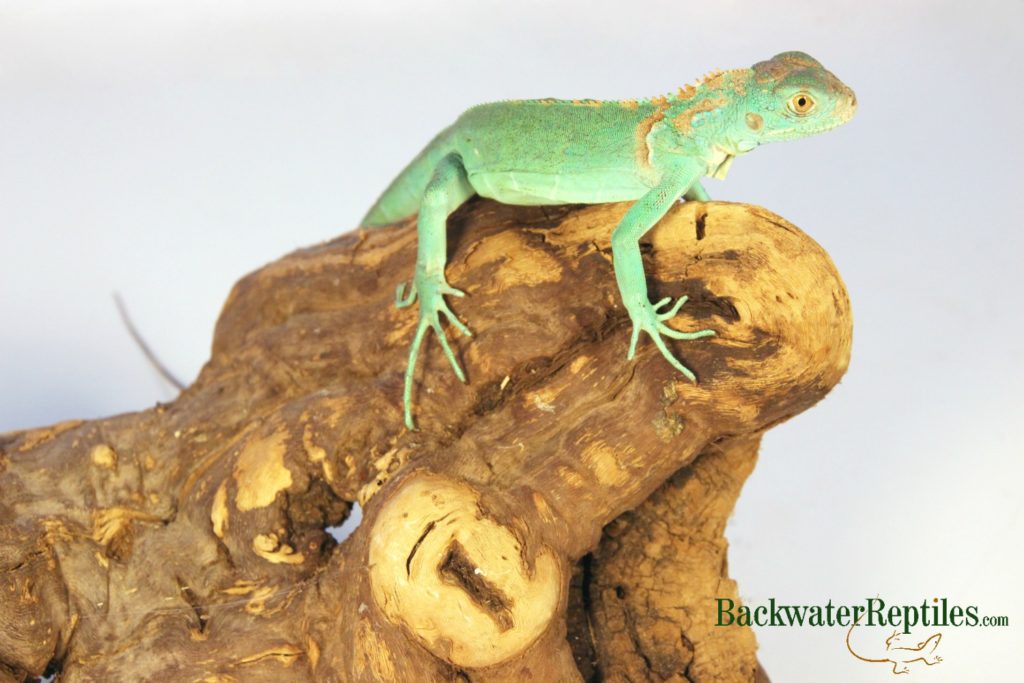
(846, 108)
(843, 111)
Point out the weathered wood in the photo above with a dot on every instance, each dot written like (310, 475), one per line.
(656, 574)
(187, 542)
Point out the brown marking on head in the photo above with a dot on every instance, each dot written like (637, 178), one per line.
(766, 72)
(754, 122)
(683, 122)
(798, 59)
(783, 63)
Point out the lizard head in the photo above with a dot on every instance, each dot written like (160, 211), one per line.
(793, 96)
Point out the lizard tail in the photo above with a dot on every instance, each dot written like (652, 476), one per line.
(403, 196)
(850, 647)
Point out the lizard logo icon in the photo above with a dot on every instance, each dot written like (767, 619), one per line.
(899, 655)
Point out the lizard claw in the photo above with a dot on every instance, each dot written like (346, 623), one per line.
(445, 288)
(401, 299)
(675, 309)
(647, 319)
(633, 341)
(431, 291)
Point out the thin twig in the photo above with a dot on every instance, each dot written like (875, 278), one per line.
(150, 356)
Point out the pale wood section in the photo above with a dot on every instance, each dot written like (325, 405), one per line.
(187, 542)
(460, 582)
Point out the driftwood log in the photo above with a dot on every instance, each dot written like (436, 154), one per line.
(558, 518)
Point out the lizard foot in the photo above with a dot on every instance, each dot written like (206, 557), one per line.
(431, 292)
(647, 319)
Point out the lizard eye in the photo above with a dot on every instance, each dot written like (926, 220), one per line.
(801, 104)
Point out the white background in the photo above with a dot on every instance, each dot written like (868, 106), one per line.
(163, 150)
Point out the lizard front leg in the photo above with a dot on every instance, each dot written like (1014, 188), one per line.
(448, 188)
(629, 267)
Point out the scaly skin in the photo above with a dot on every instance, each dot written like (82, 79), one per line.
(653, 151)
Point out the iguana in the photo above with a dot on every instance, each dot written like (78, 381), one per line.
(548, 151)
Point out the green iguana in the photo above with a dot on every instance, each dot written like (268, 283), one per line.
(654, 151)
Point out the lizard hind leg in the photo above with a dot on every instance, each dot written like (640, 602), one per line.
(448, 188)
(697, 193)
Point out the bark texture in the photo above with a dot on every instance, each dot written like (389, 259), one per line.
(558, 518)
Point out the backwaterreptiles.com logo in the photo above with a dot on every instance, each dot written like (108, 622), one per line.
(898, 649)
